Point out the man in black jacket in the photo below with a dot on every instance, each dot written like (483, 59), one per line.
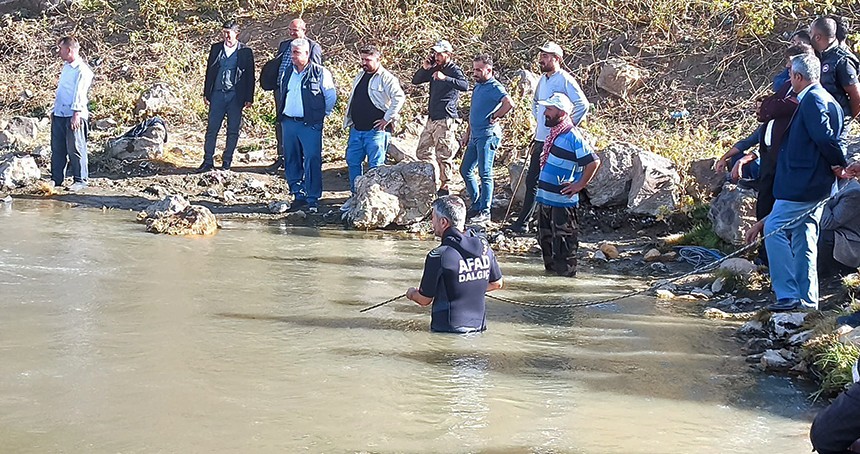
(438, 141)
(228, 88)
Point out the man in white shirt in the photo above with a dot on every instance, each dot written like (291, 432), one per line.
(69, 127)
(554, 80)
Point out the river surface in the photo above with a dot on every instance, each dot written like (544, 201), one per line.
(113, 340)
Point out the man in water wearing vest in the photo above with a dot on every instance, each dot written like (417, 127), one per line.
(228, 88)
(457, 273)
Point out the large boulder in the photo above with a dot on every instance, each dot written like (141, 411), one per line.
(400, 194)
(619, 77)
(149, 145)
(733, 212)
(654, 188)
(24, 129)
(157, 99)
(611, 183)
(18, 171)
(175, 216)
(403, 145)
(703, 182)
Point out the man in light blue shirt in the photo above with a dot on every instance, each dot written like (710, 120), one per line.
(306, 95)
(490, 102)
(69, 127)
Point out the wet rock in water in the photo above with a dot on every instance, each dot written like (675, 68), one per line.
(613, 179)
(168, 206)
(279, 207)
(619, 77)
(772, 360)
(786, 323)
(652, 255)
(400, 194)
(732, 213)
(654, 188)
(800, 338)
(609, 250)
(757, 345)
(752, 328)
(18, 171)
(739, 267)
(193, 220)
(23, 129)
(704, 182)
(159, 98)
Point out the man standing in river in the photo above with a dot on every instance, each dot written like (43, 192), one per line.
(457, 273)
(69, 118)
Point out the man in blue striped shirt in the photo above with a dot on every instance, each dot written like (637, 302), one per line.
(567, 165)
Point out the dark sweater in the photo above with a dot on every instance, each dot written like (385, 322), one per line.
(444, 94)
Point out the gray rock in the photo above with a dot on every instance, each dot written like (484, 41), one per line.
(733, 213)
(255, 184)
(402, 146)
(599, 255)
(800, 338)
(25, 130)
(701, 293)
(619, 77)
(279, 207)
(252, 156)
(757, 345)
(193, 220)
(211, 192)
(105, 124)
(718, 284)
(42, 154)
(7, 139)
(168, 206)
(400, 194)
(739, 267)
(655, 185)
(752, 328)
(703, 182)
(728, 302)
(611, 183)
(518, 181)
(772, 360)
(149, 146)
(786, 323)
(157, 99)
(18, 171)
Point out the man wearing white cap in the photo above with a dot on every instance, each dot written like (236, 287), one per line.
(438, 141)
(554, 80)
(566, 165)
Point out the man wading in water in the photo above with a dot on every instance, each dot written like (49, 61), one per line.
(457, 273)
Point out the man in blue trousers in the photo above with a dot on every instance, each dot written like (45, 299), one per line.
(306, 95)
(69, 117)
(805, 174)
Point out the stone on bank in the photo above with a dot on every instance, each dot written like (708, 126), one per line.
(173, 215)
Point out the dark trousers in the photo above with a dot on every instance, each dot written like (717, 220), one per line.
(68, 148)
(558, 238)
(279, 161)
(222, 104)
(763, 206)
(531, 182)
(827, 265)
(303, 159)
(837, 427)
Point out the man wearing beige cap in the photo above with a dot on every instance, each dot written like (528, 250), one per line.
(554, 80)
(566, 164)
(438, 141)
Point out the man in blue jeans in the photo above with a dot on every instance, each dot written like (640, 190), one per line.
(306, 95)
(69, 117)
(374, 104)
(811, 155)
(490, 102)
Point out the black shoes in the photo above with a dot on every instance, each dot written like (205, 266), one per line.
(205, 168)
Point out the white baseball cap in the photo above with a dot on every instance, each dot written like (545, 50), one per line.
(442, 46)
(559, 101)
(552, 48)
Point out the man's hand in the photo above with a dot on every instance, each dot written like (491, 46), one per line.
(247, 104)
(426, 64)
(439, 76)
(720, 166)
(380, 124)
(206, 101)
(569, 189)
(853, 170)
(754, 231)
(76, 121)
(737, 170)
(410, 294)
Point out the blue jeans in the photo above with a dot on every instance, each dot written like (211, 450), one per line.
(371, 144)
(222, 104)
(68, 148)
(303, 159)
(792, 253)
(480, 153)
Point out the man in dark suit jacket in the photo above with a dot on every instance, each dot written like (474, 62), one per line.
(227, 89)
(810, 156)
(297, 30)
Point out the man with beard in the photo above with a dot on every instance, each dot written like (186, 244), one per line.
(554, 80)
(567, 164)
(438, 141)
(490, 102)
(374, 104)
(457, 273)
(297, 30)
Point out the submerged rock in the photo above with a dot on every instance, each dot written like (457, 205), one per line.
(175, 216)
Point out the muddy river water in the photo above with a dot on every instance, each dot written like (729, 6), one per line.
(113, 340)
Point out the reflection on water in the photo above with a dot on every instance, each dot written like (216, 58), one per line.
(115, 340)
